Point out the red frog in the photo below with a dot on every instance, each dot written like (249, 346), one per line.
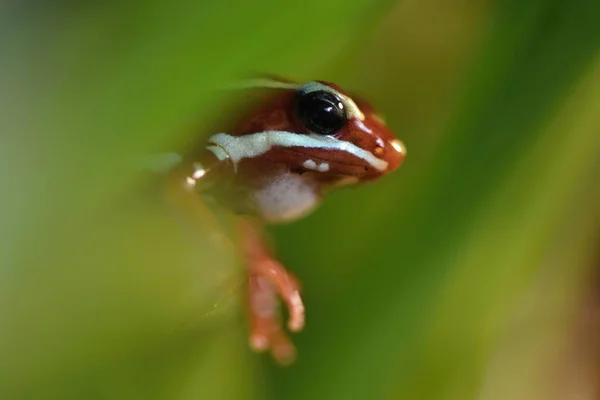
(274, 167)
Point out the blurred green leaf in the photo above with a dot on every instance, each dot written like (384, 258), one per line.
(410, 282)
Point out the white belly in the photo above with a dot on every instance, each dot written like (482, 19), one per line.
(286, 197)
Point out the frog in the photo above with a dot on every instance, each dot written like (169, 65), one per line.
(274, 166)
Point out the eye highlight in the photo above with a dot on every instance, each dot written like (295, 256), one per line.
(321, 112)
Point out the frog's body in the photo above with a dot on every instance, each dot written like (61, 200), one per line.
(275, 166)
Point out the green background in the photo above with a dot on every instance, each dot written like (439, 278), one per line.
(458, 277)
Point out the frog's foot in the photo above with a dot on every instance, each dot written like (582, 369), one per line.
(267, 280)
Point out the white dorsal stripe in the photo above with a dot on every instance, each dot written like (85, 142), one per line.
(257, 144)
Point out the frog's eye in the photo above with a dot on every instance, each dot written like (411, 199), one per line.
(321, 112)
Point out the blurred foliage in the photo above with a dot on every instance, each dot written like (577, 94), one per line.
(460, 277)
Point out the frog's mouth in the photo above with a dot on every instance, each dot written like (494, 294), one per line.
(327, 148)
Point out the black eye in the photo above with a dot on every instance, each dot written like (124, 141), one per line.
(321, 112)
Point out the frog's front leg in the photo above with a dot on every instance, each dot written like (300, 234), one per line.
(269, 281)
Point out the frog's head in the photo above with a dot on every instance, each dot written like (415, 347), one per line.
(358, 142)
(315, 127)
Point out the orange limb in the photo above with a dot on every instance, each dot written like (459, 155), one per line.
(268, 280)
